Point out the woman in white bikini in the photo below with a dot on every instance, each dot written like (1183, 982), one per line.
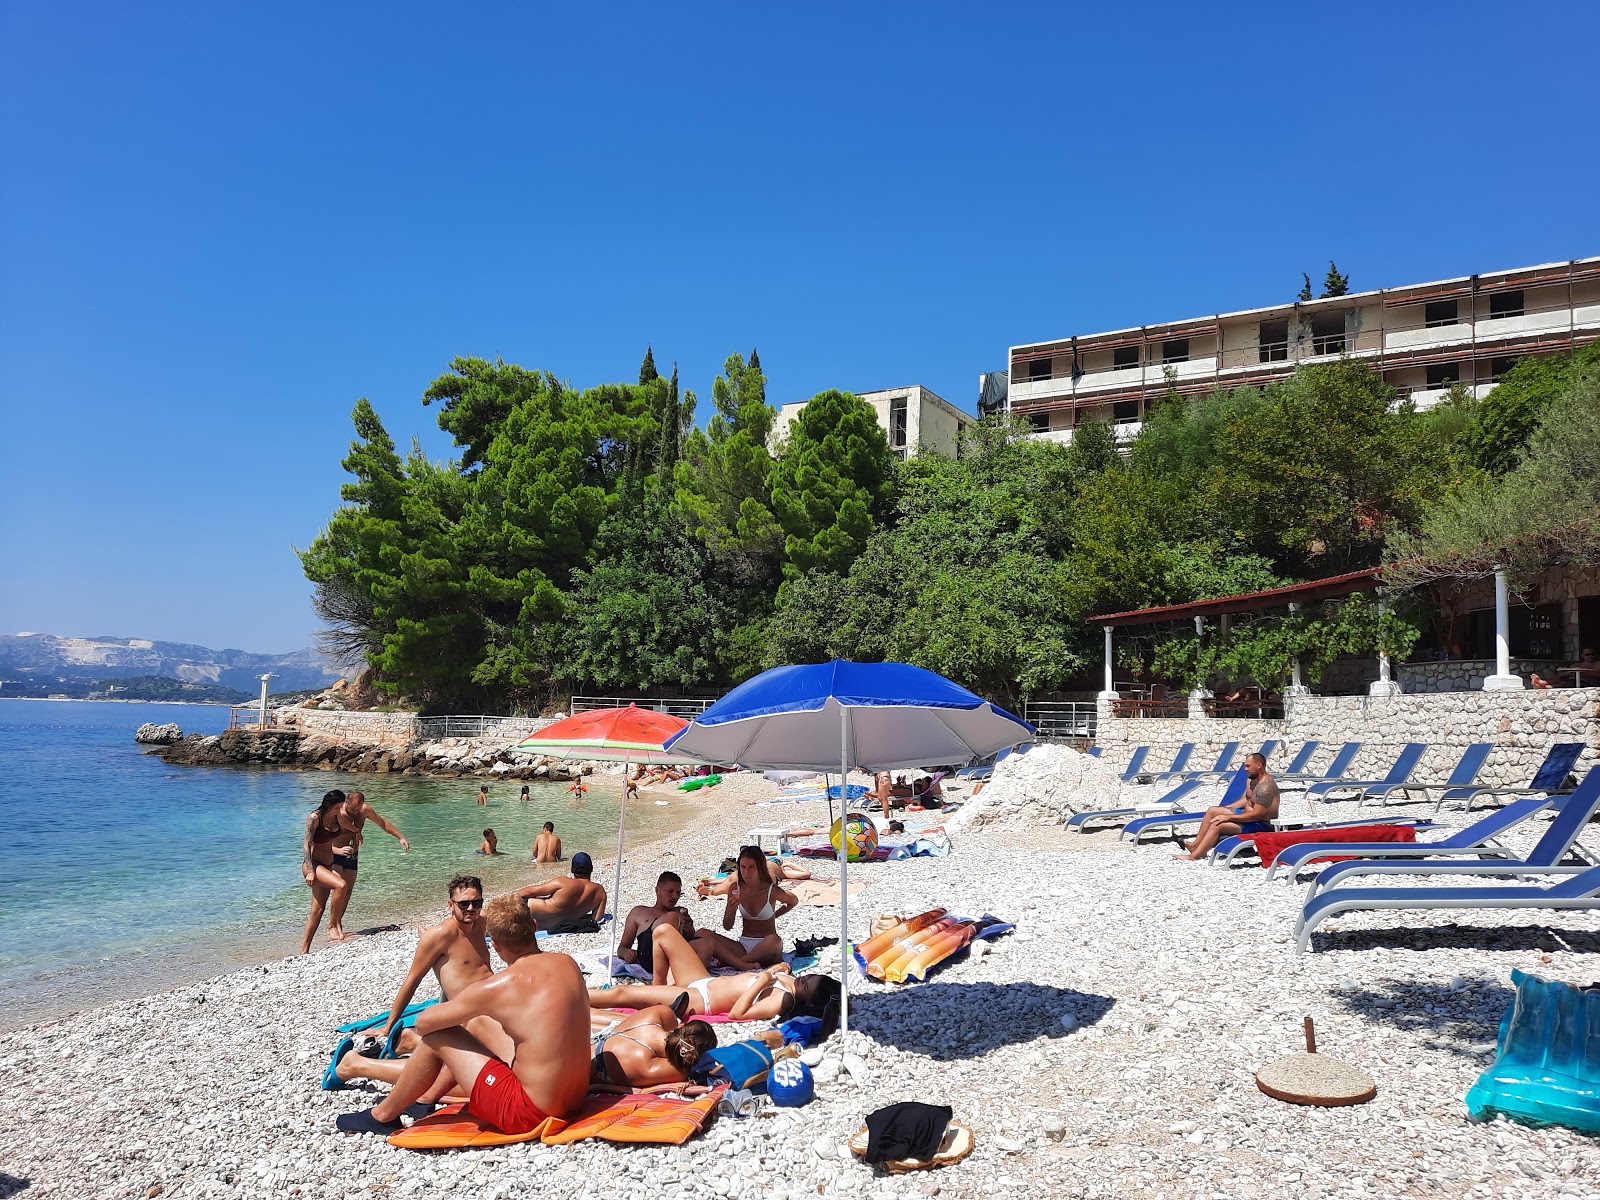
(757, 902)
(768, 995)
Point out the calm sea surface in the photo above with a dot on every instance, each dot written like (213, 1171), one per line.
(122, 876)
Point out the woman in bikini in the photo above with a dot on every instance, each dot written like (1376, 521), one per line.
(323, 827)
(757, 902)
(768, 995)
(647, 1048)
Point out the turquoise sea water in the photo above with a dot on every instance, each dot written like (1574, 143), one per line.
(121, 875)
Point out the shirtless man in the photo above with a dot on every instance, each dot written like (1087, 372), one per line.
(535, 1066)
(643, 919)
(454, 951)
(490, 844)
(568, 904)
(1254, 814)
(355, 813)
(547, 846)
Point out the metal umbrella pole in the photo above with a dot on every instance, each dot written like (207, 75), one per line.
(844, 859)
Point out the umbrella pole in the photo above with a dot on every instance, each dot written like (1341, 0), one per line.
(844, 858)
(616, 888)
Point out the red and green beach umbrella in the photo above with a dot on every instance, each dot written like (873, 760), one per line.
(629, 735)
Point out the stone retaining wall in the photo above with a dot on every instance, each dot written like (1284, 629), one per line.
(389, 730)
(1520, 725)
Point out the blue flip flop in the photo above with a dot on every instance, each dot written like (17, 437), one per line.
(330, 1078)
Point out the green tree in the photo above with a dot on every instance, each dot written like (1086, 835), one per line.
(830, 482)
(1333, 283)
(1502, 421)
(1304, 293)
(647, 369)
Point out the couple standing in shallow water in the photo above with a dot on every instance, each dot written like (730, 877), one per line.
(332, 843)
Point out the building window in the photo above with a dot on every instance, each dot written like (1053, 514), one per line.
(1275, 341)
(1125, 410)
(1505, 304)
(1039, 368)
(1175, 350)
(1500, 367)
(1327, 333)
(897, 422)
(1039, 421)
(1123, 357)
(1439, 312)
(1441, 375)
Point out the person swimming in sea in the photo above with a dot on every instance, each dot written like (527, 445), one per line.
(490, 843)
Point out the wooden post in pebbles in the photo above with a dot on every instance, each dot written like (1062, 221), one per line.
(1313, 1078)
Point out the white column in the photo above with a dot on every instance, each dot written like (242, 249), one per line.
(1502, 680)
(1385, 685)
(1109, 692)
(1297, 685)
(263, 678)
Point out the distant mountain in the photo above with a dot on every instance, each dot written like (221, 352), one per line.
(38, 657)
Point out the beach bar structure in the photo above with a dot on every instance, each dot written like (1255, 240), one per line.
(1423, 338)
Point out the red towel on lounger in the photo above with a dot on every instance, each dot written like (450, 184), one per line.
(1269, 845)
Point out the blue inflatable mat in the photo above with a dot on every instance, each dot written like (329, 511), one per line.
(1547, 1065)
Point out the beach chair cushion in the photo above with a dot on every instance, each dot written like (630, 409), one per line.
(1270, 845)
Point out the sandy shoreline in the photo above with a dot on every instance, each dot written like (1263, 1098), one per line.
(1177, 982)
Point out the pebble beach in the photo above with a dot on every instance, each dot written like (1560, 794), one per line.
(1106, 1048)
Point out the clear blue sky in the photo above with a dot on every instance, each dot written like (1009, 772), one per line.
(222, 223)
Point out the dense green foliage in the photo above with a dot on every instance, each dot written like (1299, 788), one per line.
(599, 539)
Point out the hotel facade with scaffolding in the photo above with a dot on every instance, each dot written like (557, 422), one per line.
(1423, 338)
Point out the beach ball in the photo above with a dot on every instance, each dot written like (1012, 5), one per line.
(859, 834)
(789, 1083)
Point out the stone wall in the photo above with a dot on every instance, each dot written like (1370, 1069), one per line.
(1520, 725)
(1465, 674)
(389, 730)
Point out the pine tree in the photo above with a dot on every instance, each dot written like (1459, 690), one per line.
(647, 369)
(1333, 283)
(1305, 289)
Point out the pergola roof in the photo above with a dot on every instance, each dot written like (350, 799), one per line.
(1297, 593)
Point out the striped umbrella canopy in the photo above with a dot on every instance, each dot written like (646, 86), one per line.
(627, 735)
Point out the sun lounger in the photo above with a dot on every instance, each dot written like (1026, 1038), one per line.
(1404, 764)
(1343, 757)
(1079, 821)
(1478, 838)
(1230, 848)
(1579, 892)
(1297, 765)
(1560, 837)
(1268, 749)
(1472, 759)
(1142, 825)
(1550, 778)
(1135, 764)
(1180, 761)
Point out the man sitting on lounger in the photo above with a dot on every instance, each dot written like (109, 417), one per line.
(1253, 814)
(542, 1008)
(454, 951)
(570, 903)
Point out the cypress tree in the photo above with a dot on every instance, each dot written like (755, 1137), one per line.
(1305, 289)
(647, 369)
(1333, 283)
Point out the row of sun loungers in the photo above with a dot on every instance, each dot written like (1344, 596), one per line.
(1477, 850)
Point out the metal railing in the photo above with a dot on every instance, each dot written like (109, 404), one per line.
(1062, 718)
(248, 716)
(687, 707)
(433, 729)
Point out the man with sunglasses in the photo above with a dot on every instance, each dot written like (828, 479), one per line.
(457, 954)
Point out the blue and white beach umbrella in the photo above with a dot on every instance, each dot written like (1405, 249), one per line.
(867, 716)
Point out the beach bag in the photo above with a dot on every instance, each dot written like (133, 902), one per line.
(742, 1065)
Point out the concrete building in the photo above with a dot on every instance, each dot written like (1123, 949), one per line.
(914, 418)
(1422, 337)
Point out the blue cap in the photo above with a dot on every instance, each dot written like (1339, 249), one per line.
(582, 864)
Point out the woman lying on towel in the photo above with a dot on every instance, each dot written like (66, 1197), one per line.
(773, 994)
(778, 869)
(647, 1048)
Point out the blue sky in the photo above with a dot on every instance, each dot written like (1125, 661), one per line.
(222, 223)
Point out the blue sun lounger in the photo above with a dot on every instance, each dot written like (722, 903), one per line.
(1180, 761)
(1268, 749)
(1579, 892)
(1230, 848)
(1080, 820)
(1223, 765)
(1140, 825)
(1135, 763)
(1479, 838)
(1404, 764)
(1343, 757)
(1560, 837)
(1550, 778)
(1472, 760)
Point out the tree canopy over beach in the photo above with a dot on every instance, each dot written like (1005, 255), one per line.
(599, 538)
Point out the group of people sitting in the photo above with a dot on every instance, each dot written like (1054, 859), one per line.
(531, 1040)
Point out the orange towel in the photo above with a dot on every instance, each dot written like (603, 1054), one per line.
(639, 1117)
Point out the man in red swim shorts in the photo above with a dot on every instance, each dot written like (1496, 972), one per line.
(535, 1066)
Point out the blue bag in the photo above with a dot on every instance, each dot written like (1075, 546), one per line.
(742, 1065)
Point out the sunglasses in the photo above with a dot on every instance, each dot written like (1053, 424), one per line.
(469, 905)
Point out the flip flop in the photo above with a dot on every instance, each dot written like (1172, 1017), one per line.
(680, 1006)
(370, 1047)
(330, 1078)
